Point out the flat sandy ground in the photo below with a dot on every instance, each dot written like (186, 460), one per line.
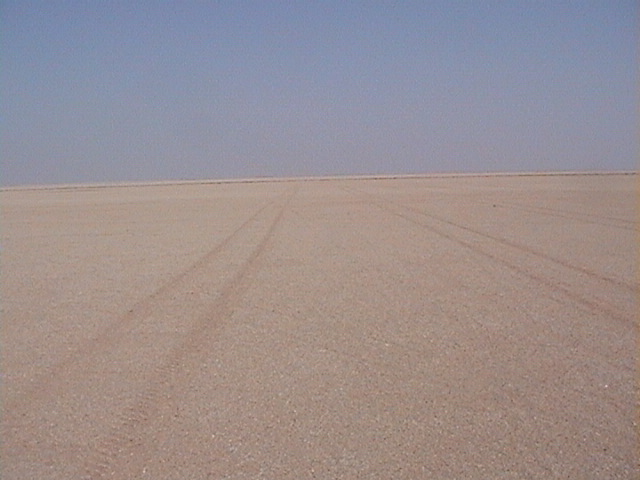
(438, 328)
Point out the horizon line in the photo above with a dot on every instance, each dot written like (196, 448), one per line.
(312, 178)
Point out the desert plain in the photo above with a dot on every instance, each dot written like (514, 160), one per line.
(443, 327)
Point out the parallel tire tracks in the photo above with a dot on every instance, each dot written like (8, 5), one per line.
(529, 250)
(118, 329)
(604, 221)
(122, 433)
(59, 385)
(591, 304)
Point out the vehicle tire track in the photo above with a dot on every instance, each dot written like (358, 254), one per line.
(123, 433)
(611, 312)
(526, 249)
(601, 220)
(112, 333)
(581, 217)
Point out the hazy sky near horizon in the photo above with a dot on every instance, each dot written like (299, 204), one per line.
(150, 90)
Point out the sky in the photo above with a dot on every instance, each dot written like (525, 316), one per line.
(106, 91)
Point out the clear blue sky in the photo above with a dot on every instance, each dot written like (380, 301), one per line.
(142, 90)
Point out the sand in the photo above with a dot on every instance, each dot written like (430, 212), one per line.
(439, 327)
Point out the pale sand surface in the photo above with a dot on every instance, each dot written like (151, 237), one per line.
(446, 327)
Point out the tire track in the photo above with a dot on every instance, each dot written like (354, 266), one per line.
(523, 248)
(604, 221)
(451, 280)
(587, 303)
(112, 333)
(123, 433)
(555, 213)
(527, 249)
(582, 217)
